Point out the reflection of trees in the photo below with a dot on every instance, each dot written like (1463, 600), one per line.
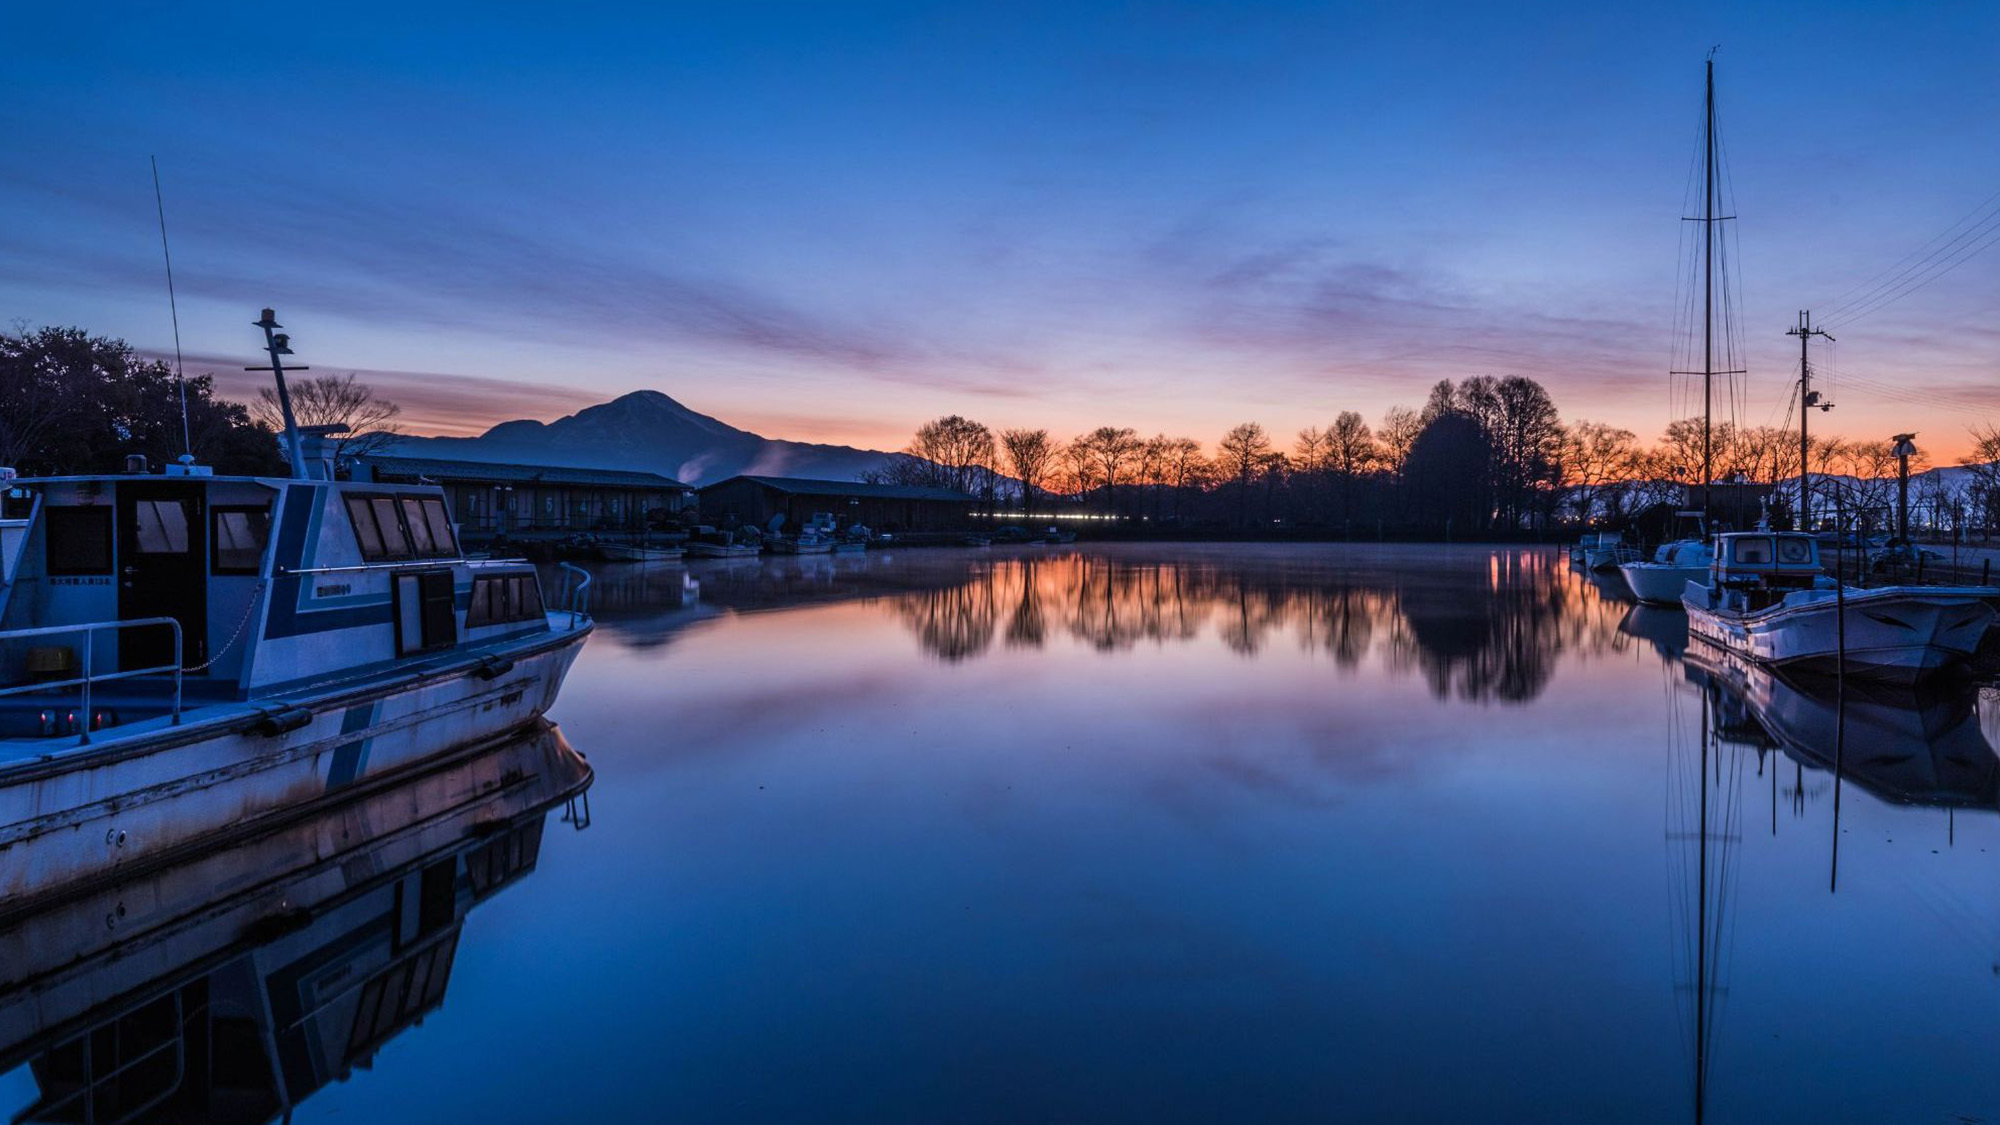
(955, 622)
(1478, 625)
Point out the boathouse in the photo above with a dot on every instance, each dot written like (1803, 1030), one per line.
(535, 501)
(883, 507)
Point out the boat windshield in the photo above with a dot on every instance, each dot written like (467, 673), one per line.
(1751, 551)
(1793, 551)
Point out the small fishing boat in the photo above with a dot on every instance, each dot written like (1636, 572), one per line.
(1609, 550)
(260, 642)
(1768, 599)
(1058, 535)
(1664, 580)
(633, 552)
(712, 549)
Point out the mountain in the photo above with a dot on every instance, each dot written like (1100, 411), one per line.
(648, 430)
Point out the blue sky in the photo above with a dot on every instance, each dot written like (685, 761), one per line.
(834, 221)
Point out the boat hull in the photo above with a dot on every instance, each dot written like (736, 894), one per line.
(619, 552)
(1900, 634)
(722, 551)
(1661, 583)
(138, 795)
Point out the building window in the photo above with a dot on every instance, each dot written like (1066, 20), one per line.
(79, 540)
(240, 535)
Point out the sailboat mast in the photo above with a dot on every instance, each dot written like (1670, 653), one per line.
(1708, 304)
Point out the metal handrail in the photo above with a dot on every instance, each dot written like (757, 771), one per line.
(89, 631)
(576, 598)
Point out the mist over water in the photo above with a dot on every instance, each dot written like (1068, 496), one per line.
(1187, 833)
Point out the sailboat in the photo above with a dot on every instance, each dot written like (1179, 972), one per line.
(1663, 579)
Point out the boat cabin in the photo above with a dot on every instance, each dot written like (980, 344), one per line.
(1766, 564)
(227, 588)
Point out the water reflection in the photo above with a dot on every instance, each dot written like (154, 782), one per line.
(232, 985)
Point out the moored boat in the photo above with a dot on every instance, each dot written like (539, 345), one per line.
(1663, 580)
(633, 552)
(262, 641)
(1770, 601)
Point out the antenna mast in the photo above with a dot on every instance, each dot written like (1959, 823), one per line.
(180, 379)
(277, 344)
(1808, 398)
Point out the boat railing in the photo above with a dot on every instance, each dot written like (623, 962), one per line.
(576, 591)
(90, 675)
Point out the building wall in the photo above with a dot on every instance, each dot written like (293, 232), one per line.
(734, 503)
(483, 508)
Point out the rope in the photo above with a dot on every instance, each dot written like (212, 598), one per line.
(256, 598)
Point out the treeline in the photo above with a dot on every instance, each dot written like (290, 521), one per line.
(1484, 454)
(75, 403)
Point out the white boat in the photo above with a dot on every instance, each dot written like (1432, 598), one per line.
(262, 641)
(1664, 579)
(631, 552)
(1607, 552)
(708, 549)
(1769, 600)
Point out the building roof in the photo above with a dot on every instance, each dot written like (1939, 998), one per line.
(803, 486)
(442, 469)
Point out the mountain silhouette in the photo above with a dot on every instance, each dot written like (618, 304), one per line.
(649, 430)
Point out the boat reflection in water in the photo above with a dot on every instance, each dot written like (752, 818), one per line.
(1905, 745)
(1910, 746)
(231, 984)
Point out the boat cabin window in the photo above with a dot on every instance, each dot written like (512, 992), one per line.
(78, 540)
(161, 527)
(390, 527)
(503, 598)
(1750, 552)
(424, 617)
(240, 535)
(1795, 552)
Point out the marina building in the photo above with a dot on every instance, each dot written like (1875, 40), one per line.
(534, 501)
(883, 507)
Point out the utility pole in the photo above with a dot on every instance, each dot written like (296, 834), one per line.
(1808, 398)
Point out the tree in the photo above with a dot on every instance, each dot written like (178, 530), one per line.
(1030, 454)
(75, 403)
(1448, 488)
(1600, 461)
(1399, 430)
(1526, 437)
(1243, 453)
(333, 400)
(950, 452)
(1182, 468)
(1108, 450)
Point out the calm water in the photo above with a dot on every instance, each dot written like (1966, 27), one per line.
(1217, 834)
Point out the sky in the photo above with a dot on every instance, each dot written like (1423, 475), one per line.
(834, 221)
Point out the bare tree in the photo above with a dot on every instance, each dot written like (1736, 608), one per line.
(1183, 468)
(1602, 460)
(334, 400)
(1244, 452)
(1030, 454)
(956, 451)
(1109, 449)
(1400, 427)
